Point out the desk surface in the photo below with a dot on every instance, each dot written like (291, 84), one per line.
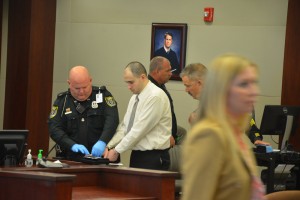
(263, 159)
(80, 180)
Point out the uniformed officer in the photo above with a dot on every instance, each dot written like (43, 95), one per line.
(84, 118)
(254, 132)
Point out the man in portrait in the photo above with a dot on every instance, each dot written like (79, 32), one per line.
(168, 53)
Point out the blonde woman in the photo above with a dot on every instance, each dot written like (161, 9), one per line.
(218, 161)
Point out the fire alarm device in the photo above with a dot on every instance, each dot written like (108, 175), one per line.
(208, 14)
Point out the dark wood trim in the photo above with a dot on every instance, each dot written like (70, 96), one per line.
(291, 66)
(29, 74)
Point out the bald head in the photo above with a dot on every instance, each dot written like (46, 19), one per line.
(80, 83)
(160, 69)
(78, 72)
(135, 75)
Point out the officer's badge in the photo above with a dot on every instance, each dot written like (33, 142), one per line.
(53, 111)
(94, 104)
(68, 111)
(110, 101)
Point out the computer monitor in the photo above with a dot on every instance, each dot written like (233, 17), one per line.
(12, 146)
(280, 120)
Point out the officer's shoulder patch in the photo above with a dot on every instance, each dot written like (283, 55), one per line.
(110, 101)
(53, 111)
(257, 134)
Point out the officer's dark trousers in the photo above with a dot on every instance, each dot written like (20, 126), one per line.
(151, 159)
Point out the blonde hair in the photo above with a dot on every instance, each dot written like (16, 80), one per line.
(213, 98)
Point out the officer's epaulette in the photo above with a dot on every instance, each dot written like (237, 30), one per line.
(62, 94)
(102, 88)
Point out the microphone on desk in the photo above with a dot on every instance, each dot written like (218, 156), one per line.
(44, 163)
(45, 158)
(50, 164)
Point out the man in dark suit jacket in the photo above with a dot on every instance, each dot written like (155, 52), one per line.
(159, 74)
(168, 53)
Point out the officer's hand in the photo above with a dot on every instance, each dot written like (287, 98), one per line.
(98, 148)
(79, 148)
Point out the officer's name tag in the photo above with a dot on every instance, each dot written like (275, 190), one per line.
(99, 98)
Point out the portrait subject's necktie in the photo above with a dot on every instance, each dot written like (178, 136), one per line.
(132, 114)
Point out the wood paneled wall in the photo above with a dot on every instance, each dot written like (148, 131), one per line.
(291, 66)
(29, 75)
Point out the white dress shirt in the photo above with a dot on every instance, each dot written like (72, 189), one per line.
(152, 124)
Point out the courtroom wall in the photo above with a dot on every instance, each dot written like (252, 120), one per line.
(106, 35)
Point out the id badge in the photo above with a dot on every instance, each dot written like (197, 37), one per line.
(99, 98)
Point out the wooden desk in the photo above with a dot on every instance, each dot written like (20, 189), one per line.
(35, 185)
(86, 181)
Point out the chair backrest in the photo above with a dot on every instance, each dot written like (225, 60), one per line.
(284, 195)
(175, 158)
(175, 152)
(181, 133)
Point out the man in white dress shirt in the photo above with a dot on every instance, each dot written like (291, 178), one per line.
(149, 136)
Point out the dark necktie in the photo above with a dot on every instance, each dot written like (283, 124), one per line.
(132, 114)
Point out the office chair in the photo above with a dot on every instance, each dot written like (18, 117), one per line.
(284, 195)
(175, 158)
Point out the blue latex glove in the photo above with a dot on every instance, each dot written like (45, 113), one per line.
(79, 148)
(98, 148)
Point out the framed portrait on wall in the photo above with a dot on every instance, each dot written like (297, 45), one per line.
(169, 40)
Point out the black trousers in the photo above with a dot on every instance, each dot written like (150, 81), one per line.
(151, 159)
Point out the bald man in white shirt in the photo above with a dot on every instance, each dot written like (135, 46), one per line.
(149, 136)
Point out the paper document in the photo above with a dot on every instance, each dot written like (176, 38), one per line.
(283, 168)
(116, 164)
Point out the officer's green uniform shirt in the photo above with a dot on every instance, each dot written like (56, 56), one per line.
(73, 122)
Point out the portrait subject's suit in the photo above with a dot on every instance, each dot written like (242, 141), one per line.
(171, 56)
